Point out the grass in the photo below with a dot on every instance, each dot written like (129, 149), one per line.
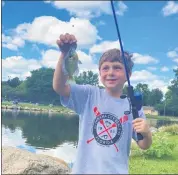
(39, 106)
(171, 118)
(145, 165)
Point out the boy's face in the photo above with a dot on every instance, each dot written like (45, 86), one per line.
(112, 75)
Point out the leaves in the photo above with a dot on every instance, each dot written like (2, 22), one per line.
(87, 78)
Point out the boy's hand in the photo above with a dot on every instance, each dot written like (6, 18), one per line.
(141, 126)
(65, 42)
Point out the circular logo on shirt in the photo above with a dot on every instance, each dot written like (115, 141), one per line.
(107, 129)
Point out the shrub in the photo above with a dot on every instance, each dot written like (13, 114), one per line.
(161, 146)
(172, 129)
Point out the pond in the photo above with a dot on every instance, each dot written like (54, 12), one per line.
(46, 133)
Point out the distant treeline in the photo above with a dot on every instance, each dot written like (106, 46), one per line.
(38, 89)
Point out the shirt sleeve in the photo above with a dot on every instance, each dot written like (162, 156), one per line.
(141, 115)
(79, 95)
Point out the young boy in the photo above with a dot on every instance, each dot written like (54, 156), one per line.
(106, 124)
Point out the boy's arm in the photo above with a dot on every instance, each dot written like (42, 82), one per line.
(141, 126)
(59, 79)
(146, 142)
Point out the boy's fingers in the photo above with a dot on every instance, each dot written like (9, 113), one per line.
(67, 37)
(59, 43)
(137, 120)
(73, 38)
(136, 124)
(62, 37)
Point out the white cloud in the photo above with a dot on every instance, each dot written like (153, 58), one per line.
(175, 67)
(164, 69)
(152, 68)
(122, 8)
(47, 2)
(50, 58)
(3, 3)
(173, 55)
(47, 29)
(142, 75)
(103, 46)
(12, 43)
(88, 9)
(143, 59)
(153, 81)
(18, 66)
(176, 60)
(87, 62)
(170, 8)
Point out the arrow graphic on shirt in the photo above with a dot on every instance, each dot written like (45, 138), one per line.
(97, 113)
(113, 125)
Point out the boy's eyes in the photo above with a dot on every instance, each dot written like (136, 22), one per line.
(115, 68)
(105, 68)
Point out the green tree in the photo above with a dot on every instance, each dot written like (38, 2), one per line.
(39, 86)
(13, 82)
(143, 88)
(172, 95)
(156, 96)
(169, 105)
(87, 78)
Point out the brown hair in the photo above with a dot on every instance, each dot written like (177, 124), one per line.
(114, 55)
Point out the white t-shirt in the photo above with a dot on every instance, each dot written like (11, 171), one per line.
(105, 130)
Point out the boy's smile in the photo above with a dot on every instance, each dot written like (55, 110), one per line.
(112, 75)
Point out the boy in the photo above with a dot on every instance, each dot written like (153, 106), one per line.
(106, 125)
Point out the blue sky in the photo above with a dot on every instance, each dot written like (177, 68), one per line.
(148, 30)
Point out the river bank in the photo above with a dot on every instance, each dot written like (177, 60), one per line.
(37, 107)
(63, 110)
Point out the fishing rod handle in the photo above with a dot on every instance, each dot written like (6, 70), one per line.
(136, 115)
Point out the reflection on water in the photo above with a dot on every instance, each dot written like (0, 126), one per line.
(52, 134)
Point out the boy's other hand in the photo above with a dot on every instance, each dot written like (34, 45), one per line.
(141, 126)
(65, 42)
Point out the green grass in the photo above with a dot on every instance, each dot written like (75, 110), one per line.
(145, 165)
(162, 117)
(40, 106)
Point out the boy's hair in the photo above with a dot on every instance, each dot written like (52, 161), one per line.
(114, 55)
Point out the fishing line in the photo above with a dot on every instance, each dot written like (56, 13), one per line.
(120, 41)
(135, 100)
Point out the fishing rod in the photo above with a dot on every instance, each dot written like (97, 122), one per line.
(135, 101)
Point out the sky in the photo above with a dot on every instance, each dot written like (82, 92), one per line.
(148, 31)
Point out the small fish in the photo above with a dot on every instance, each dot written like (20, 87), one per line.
(71, 65)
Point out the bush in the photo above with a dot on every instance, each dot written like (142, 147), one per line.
(172, 129)
(161, 146)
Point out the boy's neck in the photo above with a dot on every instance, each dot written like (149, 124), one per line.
(115, 93)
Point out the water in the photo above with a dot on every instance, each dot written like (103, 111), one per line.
(46, 133)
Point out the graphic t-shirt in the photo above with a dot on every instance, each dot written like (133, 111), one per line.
(105, 130)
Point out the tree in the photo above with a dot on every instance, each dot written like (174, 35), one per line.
(39, 86)
(172, 95)
(169, 105)
(87, 78)
(143, 88)
(156, 96)
(13, 82)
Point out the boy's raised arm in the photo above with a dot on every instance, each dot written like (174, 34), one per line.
(59, 79)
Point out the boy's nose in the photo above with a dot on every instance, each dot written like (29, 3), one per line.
(111, 71)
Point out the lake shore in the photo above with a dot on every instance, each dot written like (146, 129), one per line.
(36, 107)
(61, 109)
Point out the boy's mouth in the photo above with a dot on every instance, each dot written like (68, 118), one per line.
(111, 80)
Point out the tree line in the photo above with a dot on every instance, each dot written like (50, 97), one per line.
(38, 89)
